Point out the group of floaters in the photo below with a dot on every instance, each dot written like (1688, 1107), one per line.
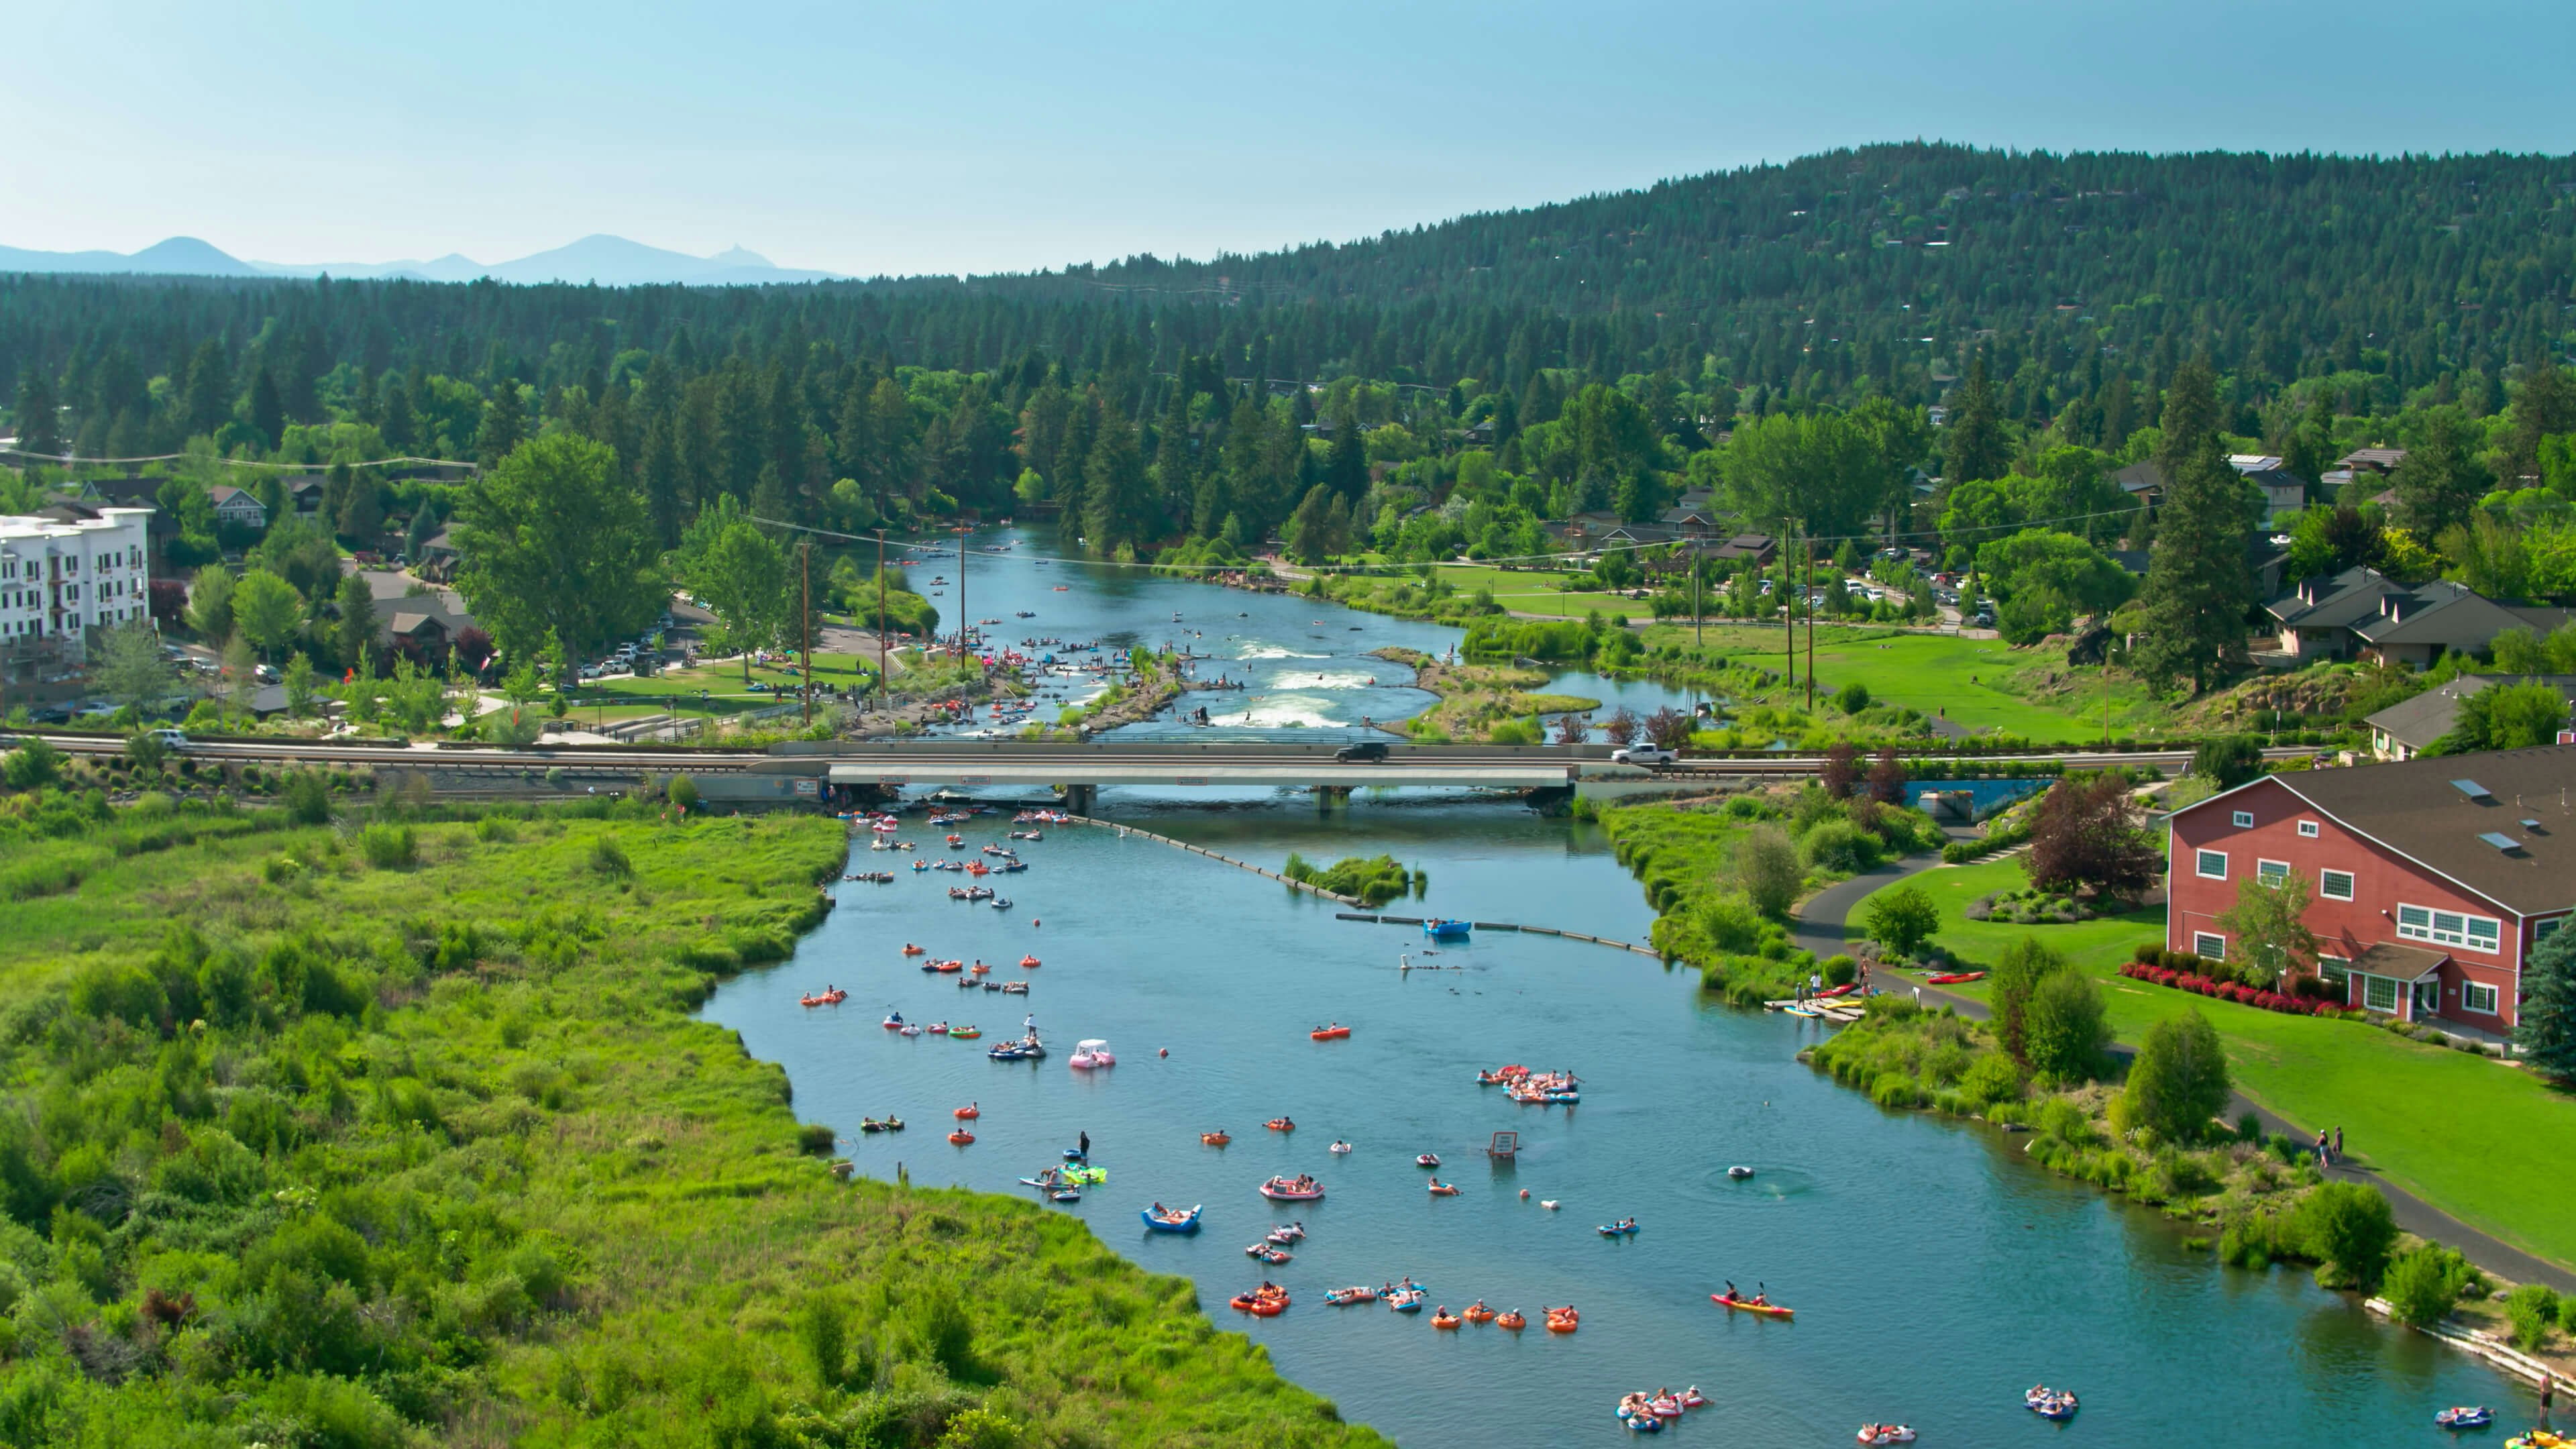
(1560, 1088)
(1645, 1412)
(2050, 1403)
(828, 996)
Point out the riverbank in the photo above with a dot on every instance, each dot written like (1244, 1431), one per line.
(2313, 1073)
(437, 1150)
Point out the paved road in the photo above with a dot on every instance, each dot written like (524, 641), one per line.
(1820, 929)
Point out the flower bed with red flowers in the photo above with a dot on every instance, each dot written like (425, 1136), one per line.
(2236, 991)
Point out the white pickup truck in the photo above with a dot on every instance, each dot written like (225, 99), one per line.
(1642, 755)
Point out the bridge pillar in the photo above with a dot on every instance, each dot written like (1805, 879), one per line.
(1328, 796)
(1079, 799)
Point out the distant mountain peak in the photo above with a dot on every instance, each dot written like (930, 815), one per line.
(601, 258)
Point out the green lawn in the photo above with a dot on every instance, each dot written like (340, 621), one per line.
(1533, 591)
(2480, 1140)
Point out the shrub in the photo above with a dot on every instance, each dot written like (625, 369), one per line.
(389, 847)
(2531, 1308)
(2065, 1027)
(307, 797)
(2425, 1285)
(1839, 845)
(683, 792)
(32, 765)
(2179, 1080)
(1990, 1079)
(815, 1139)
(2349, 1229)
(609, 858)
(1841, 970)
(1766, 864)
(1852, 698)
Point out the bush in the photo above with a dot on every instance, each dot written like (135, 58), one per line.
(683, 792)
(2179, 1080)
(1839, 845)
(1766, 864)
(32, 766)
(2425, 1285)
(307, 797)
(389, 847)
(1852, 698)
(1841, 970)
(1990, 1079)
(2531, 1308)
(2065, 1028)
(2349, 1229)
(609, 858)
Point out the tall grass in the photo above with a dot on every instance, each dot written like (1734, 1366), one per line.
(320, 1144)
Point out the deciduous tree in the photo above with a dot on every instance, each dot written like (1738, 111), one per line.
(553, 540)
(2085, 840)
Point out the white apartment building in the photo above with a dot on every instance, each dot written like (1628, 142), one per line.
(61, 577)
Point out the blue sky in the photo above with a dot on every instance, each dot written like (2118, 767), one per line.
(999, 136)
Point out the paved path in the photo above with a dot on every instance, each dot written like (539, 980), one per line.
(1820, 929)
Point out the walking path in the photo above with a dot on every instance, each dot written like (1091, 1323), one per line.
(1820, 929)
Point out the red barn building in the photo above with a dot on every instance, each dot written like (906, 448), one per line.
(2431, 881)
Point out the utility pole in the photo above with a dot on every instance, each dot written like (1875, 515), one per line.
(885, 690)
(805, 567)
(961, 593)
(1811, 624)
(1788, 615)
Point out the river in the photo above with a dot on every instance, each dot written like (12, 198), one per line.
(1936, 1275)
(1308, 667)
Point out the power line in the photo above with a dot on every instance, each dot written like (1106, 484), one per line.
(69, 461)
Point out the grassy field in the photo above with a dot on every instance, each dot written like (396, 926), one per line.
(408, 1135)
(1532, 591)
(2475, 1138)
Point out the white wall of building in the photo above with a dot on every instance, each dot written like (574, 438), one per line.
(58, 579)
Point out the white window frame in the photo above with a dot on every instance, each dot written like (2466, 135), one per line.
(2273, 873)
(2325, 885)
(2200, 864)
(2209, 945)
(2451, 928)
(2543, 930)
(2470, 991)
(2308, 830)
(2242, 819)
(2370, 987)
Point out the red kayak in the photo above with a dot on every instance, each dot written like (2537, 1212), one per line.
(1953, 978)
(1844, 990)
(1771, 1310)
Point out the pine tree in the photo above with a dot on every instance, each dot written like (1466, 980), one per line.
(1976, 450)
(505, 425)
(2199, 586)
(1117, 499)
(1346, 463)
(39, 416)
(267, 412)
(2440, 480)
(2546, 1030)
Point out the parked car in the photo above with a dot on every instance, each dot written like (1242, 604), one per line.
(265, 673)
(1649, 755)
(1367, 752)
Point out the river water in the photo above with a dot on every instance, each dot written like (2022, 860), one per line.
(1935, 1274)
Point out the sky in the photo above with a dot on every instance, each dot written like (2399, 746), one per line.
(996, 136)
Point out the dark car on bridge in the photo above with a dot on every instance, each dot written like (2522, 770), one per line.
(1367, 752)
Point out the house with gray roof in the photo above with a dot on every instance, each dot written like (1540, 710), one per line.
(2361, 613)
(2410, 727)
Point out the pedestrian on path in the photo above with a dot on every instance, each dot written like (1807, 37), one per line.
(2338, 1144)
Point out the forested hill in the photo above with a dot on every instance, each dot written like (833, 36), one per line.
(1805, 278)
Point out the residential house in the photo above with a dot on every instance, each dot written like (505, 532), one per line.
(439, 556)
(2143, 482)
(1760, 548)
(2362, 613)
(238, 506)
(305, 491)
(1689, 524)
(2408, 728)
(412, 615)
(2382, 461)
(2431, 881)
